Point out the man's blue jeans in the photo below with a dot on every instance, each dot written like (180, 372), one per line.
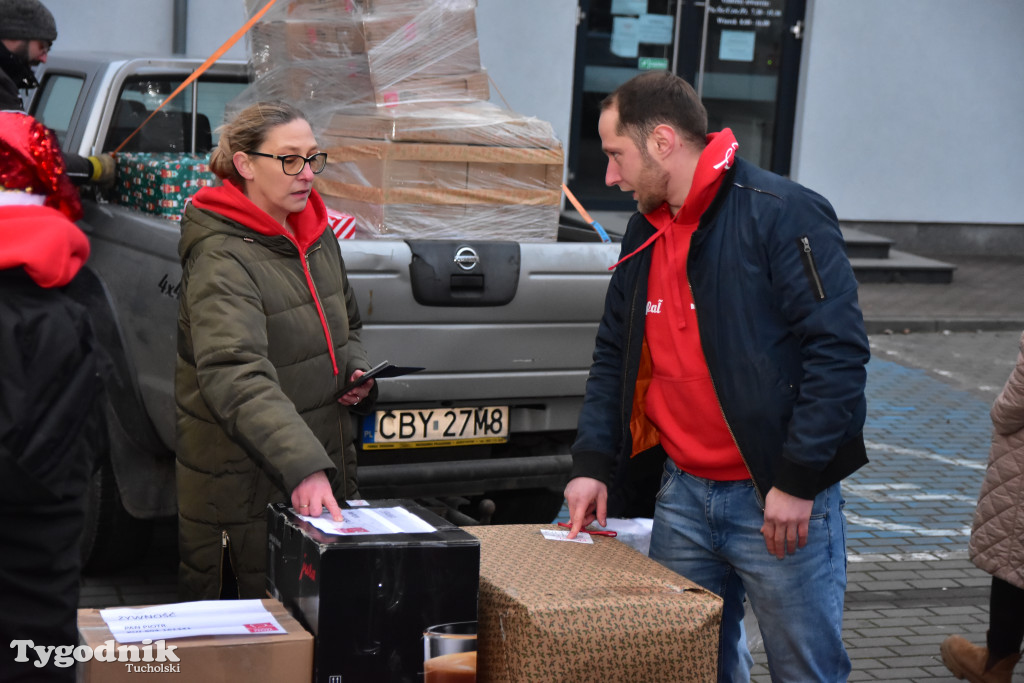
(709, 531)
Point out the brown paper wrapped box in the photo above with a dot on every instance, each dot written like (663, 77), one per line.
(257, 658)
(556, 611)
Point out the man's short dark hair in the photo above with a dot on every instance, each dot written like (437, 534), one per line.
(655, 98)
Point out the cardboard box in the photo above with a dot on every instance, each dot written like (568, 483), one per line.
(437, 42)
(389, 54)
(467, 123)
(315, 8)
(398, 173)
(472, 85)
(556, 611)
(516, 222)
(298, 39)
(213, 659)
(368, 598)
(348, 81)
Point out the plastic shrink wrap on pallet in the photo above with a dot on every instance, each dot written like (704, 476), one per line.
(398, 98)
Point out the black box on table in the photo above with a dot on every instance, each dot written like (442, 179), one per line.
(367, 597)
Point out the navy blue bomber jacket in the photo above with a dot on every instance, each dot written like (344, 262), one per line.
(781, 330)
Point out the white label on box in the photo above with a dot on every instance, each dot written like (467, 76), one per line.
(394, 520)
(560, 535)
(183, 619)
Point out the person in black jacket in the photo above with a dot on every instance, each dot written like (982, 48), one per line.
(27, 32)
(50, 419)
(726, 397)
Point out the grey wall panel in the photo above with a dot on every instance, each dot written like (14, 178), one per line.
(910, 110)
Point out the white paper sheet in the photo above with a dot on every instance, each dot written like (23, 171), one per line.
(625, 37)
(560, 535)
(634, 532)
(629, 6)
(358, 522)
(737, 46)
(656, 29)
(183, 619)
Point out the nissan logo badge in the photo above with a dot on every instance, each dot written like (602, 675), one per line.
(467, 258)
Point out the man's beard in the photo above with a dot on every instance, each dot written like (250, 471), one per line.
(651, 187)
(15, 65)
(22, 52)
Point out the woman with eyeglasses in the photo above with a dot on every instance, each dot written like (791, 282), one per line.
(268, 332)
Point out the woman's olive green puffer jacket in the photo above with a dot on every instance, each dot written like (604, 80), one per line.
(254, 388)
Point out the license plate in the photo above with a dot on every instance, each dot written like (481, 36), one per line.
(428, 427)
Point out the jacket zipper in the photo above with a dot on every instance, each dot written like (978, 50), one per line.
(319, 306)
(718, 400)
(625, 368)
(330, 348)
(811, 269)
(225, 548)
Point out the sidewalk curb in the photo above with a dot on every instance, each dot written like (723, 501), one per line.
(906, 324)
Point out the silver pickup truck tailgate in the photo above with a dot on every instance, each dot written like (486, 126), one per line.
(537, 345)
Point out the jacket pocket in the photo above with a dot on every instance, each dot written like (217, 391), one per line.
(811, 268)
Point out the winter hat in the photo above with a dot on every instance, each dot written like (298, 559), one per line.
(26, 20)
(37, 204)
(32, 166)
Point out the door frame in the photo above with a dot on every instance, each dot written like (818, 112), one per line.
(690, 31)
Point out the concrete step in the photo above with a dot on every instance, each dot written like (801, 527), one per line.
(901, 266)
(860, 244)
(872, 256)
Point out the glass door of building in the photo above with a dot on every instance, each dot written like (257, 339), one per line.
(742, 56)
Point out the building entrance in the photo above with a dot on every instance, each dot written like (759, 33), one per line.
(742, 57)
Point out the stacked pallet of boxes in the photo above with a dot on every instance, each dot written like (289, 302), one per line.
(397, 94)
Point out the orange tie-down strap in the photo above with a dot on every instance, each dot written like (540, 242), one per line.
(228, 44)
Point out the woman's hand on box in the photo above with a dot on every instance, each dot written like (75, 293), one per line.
(313, 494)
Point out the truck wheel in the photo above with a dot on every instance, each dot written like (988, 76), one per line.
(526, 506)
(111, 539)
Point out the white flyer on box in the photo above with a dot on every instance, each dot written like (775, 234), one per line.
(561, 535)
(183, 619)
(357, 522)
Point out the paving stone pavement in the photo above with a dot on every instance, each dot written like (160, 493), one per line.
(909, 511)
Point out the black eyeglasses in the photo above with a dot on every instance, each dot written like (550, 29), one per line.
(292, 164)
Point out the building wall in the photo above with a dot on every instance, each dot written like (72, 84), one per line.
(527, 46)
(911, 110)
(122, 25)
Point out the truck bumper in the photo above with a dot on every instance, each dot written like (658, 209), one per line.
(464, 477)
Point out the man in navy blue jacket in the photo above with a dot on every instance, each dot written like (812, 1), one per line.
(727, 390)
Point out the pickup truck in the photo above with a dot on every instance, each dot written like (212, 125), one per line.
(505, 369)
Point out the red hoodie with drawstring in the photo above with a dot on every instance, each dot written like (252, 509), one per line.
(680, 400)
(306, 227)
